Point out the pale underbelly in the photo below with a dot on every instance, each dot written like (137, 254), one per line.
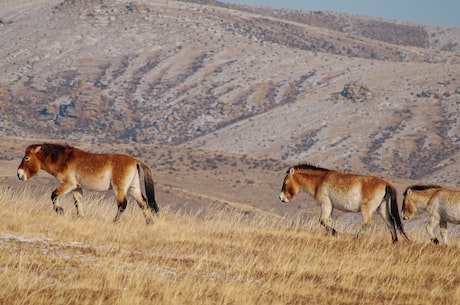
(95, 184)
(346, 204)
(347, 207)
(450, 215)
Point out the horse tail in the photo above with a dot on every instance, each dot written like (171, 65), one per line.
(149, 188)
(390, 192)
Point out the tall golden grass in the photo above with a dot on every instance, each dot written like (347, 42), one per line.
(206, 257)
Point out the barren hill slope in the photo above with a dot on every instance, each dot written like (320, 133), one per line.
(246, 81)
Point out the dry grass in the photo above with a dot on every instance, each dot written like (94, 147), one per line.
(209, 257)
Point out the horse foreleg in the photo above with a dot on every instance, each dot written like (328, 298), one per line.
(56, 207)
(430, 229)
(63, 189)
(326, 218)
(443, 230)
(78, 196)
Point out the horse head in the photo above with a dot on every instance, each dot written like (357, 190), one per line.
(409, 205)
(417, 197)
(30, 164)
(290, 188)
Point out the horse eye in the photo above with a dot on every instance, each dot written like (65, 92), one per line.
(26, 158)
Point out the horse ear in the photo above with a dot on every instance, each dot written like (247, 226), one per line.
(409, 191)
(291, 171)
(37, 149)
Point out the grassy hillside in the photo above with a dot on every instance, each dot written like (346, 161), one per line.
(206, 257)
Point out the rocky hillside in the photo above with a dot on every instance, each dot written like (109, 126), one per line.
(346, 92)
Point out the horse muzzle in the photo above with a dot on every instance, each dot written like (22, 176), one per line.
(283, 198)
(22, 175)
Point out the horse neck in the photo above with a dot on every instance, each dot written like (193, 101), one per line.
(47, 164)
(310, 179)
(44, 164)
(423, 197)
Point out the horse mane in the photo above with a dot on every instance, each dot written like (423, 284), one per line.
(308, 166)
(54, 150)
(420, 187)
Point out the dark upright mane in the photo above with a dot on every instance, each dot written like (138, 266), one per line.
(421, 188)
(308, 166)
(54, 150)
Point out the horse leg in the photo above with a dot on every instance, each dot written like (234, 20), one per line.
(367, 210)
(78, 196)
(385, 213)
(326, 218)
(430, 229)
(122, 203)
(142, 203)
(367, 216)
(63, 189)
(443, 230)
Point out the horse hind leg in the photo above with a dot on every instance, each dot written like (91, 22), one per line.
(366, 216)
(142, 203)
(122, 202)
(389, 221)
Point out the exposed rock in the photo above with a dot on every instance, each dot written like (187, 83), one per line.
(356, 92)
(433, 94)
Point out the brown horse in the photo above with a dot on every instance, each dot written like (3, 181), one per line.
(76, 170)
(441, 203)
(346, 192)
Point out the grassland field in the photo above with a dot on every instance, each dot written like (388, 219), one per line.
(210, 256)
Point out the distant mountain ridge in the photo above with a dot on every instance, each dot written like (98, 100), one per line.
(394, 32)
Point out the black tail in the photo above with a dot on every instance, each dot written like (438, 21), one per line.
(149, 189)
(394, 210)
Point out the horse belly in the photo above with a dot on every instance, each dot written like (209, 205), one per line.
(450, 213)
(347, 202)
(98, 183)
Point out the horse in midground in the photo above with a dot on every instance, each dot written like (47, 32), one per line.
(76, 170)
(443, 205)
(345, 192)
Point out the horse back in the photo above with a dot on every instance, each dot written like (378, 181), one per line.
(97, 171)
(344, 183)
(349, 191)
(446, 203)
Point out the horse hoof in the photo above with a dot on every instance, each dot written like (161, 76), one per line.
(435, 241)
(59, 210)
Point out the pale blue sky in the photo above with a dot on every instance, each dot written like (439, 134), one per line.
(443, 13)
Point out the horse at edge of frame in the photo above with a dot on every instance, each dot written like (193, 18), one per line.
(443, 205)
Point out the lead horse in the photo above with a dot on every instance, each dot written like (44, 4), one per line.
(443, 204)
(345, 192)
(76, 170)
